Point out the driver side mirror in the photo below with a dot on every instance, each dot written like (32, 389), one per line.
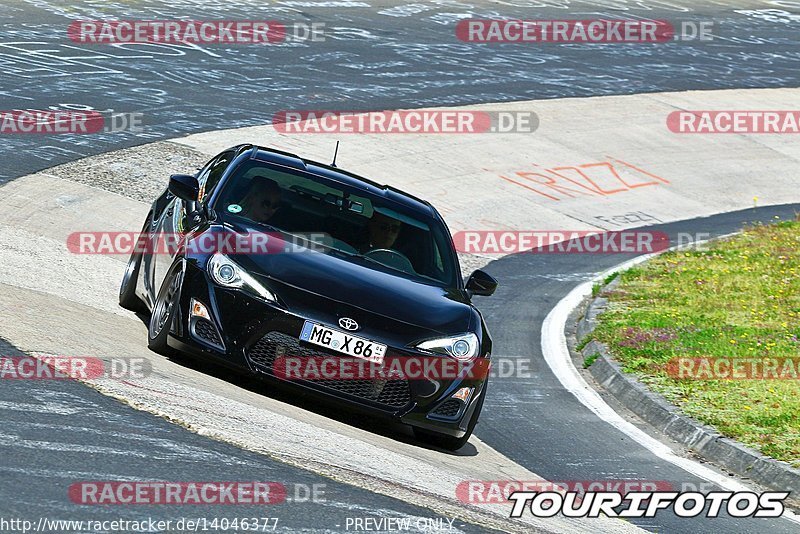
(481, 283)
(184, 186)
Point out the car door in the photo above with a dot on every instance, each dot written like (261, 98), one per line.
(173, 221)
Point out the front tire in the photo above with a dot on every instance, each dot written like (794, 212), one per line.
(452, 443)
(164, 310)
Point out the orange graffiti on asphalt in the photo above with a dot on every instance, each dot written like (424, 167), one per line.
(589, 179)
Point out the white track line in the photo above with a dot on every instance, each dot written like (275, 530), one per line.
(556, 354)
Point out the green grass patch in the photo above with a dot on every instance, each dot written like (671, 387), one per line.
(582, 344)
(737, 298)
(610, 278)
(596, 289)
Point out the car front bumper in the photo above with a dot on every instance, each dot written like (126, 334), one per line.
(247, 332)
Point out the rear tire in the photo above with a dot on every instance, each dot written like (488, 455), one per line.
(452, 443)
(164, 310)
(127, 290)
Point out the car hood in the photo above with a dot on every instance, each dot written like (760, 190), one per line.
(328, 286)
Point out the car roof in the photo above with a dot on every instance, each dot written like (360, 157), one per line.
(387, 192)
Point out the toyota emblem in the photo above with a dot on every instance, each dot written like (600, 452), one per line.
(348, 324)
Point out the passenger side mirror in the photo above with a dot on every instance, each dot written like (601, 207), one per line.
(481, 283)
(184, 186)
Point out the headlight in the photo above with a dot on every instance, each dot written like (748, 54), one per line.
(463, 347)
(228, 273)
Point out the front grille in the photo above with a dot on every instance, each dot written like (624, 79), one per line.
(205, 330)
(449, 408)
(393, 393)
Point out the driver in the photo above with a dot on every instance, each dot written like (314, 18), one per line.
(262, 200)
(382, 232)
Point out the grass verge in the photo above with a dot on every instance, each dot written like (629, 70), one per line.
(734, 303)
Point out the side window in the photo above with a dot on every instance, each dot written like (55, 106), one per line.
(437, 259)
(211, 173)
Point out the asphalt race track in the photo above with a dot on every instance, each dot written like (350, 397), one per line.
(381, 55)
(540, 440)
(195, 421)
(61, 433)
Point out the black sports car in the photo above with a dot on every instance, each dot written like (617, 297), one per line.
(354, 293)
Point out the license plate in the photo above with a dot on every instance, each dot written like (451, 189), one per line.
(340, 342)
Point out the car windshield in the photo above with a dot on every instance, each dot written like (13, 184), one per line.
(347, 222)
